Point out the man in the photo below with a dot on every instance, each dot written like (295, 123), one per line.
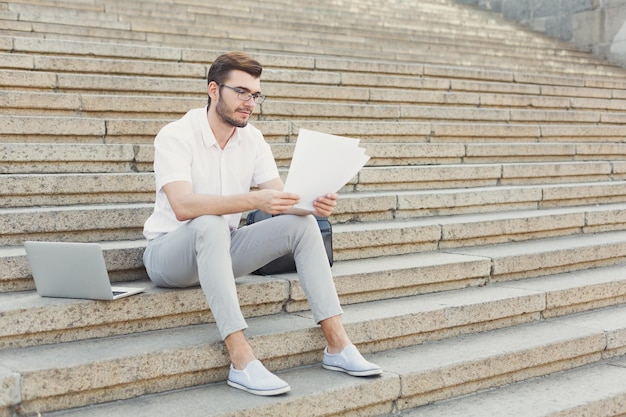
(204, 166)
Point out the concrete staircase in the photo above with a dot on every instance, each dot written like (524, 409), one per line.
(479, 255)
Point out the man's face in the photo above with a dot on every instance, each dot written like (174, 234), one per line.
(229, 107)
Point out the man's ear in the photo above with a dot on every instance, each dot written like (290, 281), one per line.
(212, 90)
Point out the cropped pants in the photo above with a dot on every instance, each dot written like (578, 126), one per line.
(206, 251)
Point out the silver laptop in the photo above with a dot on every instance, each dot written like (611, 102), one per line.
(72, 270)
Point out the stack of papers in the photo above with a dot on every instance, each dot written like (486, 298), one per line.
(322, 164)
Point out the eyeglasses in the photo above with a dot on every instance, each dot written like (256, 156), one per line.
(244, 95)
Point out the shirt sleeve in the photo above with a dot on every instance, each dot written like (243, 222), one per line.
(172, 158)
(265, 167)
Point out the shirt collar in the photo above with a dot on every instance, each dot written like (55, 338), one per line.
(208, 138)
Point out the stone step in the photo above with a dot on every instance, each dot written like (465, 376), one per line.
(527, 177)
(419, 49)
(461, 377)
(64, 21)
(351, 241)
(258, 32)
(272, 47)
(51, 158)
(80, 189)
(376, 206)
(493, 62)
(136, 53)
(81, 130)
(119, 19)
(358, 241)
(105, 222)
(399, 225)
(126, 16)
(454, 361)
(356, 281)
(54, 129)
(278, 86)
(402, 19)
(36, 190)
(19, 44)
(63, 158)
(352, 18)
(520, 259)
(17, 103)
(403, 43)
(594, 390)
(70, 72)
(45, 68)
(23, 158)
(87, 186)
(481, 175)
(67, 72)
(25, 102)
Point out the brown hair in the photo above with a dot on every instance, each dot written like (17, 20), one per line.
(225, 63)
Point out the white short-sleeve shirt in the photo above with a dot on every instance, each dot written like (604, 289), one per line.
(186, 150)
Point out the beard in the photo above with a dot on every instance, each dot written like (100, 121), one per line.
(227, 115)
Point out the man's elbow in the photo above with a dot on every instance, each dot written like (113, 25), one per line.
(181, 217)
(182, 213)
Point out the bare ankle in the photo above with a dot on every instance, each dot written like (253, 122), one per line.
(239, 350)
(335, 334)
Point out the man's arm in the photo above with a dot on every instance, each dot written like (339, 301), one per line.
(324, 205)
(187, 205)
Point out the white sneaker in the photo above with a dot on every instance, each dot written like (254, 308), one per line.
(350, 361)
(256, 379)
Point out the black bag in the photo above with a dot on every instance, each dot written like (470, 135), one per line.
(286, 263)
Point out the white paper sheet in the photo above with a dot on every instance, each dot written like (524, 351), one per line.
(322, 164)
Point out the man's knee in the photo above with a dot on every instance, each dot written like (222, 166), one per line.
(215, 227)
(303, 226)
(310, 223)
(211, 230)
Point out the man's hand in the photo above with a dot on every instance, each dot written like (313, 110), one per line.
(325, 205)
(276, 202)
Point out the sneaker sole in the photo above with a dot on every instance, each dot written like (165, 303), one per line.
(369, 372)
(264, 393)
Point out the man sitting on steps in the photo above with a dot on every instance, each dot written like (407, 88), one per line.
(204, 166)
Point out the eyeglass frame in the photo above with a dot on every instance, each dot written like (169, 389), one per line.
(258, 98)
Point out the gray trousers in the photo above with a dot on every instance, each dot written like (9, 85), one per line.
(205, 251)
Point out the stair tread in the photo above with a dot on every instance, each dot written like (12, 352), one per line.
(447, 231)
(356, 315)
(483, 245)
(21, 311)
(596, 389)
(444, 364)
